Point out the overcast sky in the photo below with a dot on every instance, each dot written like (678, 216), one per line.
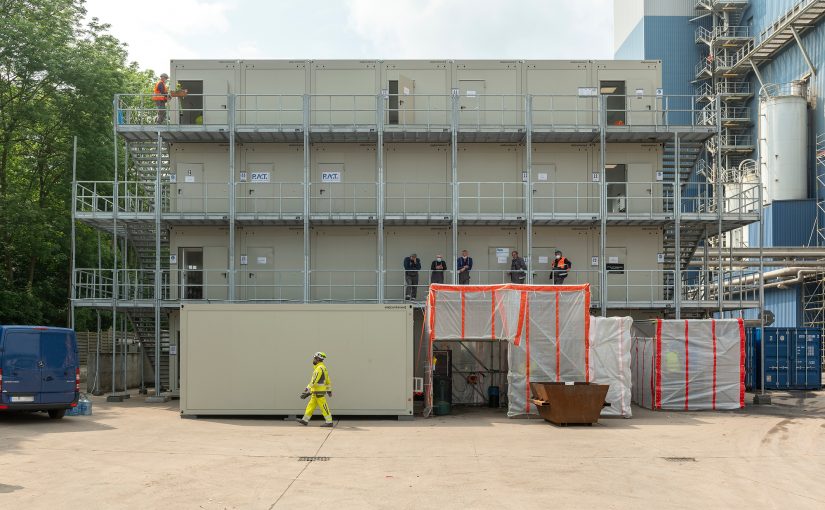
(358, 29)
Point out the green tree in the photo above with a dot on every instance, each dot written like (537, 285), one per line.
(58, 76)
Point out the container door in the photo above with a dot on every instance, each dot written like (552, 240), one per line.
(498, 266)
(259, 194)
(188, 191)
(471, 102)
(640, 199)
(546, 191)
(192, 273)
(616, 179)
(21, 367)
(617, 289)
(406, 100)
(542, 265)
(260, 273)
(58, 354)
(216, 261)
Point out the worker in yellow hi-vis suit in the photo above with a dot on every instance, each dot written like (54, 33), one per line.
(318, 388)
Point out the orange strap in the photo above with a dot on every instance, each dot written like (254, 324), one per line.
(527, 346)
(713, 335)
(587, 334)
(558, 343)
(463, 312)
(687, 367)
(493, 316)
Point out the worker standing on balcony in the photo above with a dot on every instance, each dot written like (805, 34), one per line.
(318, 389)
(160, 95)
(411, 268)
(464, 265)
(437, 269)
(518, 269)
(560, 267)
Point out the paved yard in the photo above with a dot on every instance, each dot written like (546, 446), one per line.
(137, 455)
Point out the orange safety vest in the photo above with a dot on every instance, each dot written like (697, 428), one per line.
(559, 266)
(157, 94)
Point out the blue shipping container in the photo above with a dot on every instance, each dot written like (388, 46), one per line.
(792, 359)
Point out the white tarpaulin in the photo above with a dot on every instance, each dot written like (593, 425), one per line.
(610, 342)
(548, 329)
(689, 364)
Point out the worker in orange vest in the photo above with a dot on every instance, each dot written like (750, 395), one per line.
(560, 267)
(160, 95)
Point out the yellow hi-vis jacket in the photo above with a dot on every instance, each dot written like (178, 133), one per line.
(320, 382)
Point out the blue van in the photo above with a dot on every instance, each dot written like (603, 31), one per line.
(39, 369)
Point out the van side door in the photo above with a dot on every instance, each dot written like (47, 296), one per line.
(58, 354)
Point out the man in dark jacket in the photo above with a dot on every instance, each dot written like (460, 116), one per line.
(411, 267)
(464, 265)
(518, 269)
(560, 267)
(438, 267)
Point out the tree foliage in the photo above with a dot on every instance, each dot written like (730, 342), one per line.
(58, 76)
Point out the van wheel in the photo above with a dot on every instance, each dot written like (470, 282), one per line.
(56, 414)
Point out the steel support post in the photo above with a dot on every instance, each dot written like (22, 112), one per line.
(720, 204)
(72, 283)
(528, 186)
(232, 191)
(677, 229)
(379, 150)
(454, 181)
(115, 200)
(307, 155)
(802, 49)
(602, 204)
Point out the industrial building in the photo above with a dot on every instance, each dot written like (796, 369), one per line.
(310, 181)
(762, 62)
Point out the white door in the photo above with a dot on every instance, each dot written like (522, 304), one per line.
(188, 189)
(259, 277)
(258, 194)
(471, 102)
(617, 289)
(216, 261)
(542, 265)
(406, 100)
(640, 190)
(498, 266)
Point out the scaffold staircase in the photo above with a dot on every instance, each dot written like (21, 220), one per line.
(143, 324)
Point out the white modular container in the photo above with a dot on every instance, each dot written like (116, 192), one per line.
(240, 359)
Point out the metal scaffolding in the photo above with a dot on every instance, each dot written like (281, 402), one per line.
(137, 208)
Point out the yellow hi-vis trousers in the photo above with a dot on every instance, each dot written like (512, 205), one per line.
(319, 400)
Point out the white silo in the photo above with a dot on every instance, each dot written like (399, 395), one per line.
(783, 142)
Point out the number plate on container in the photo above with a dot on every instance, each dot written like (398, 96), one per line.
(24, 398)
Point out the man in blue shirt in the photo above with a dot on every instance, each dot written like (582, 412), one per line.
(411, 267)
(464, 266)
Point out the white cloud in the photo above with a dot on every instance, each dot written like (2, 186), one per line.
(484, 28)
(358, 29)
(155, 35)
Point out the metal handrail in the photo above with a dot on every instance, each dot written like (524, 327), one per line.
(343, 198)
(491, 198)
(352, 111)
(139, 109)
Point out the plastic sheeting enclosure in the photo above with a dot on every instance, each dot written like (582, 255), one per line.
(548, 329)
(689, 364)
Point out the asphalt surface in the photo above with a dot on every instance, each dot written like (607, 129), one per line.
(139, 455)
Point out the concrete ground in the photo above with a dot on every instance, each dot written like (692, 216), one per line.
(138, 455)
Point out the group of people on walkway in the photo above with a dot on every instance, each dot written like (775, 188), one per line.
(464, 265)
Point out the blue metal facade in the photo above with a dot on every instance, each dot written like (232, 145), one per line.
(787, 223)
(785, 304)
(669, 39)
